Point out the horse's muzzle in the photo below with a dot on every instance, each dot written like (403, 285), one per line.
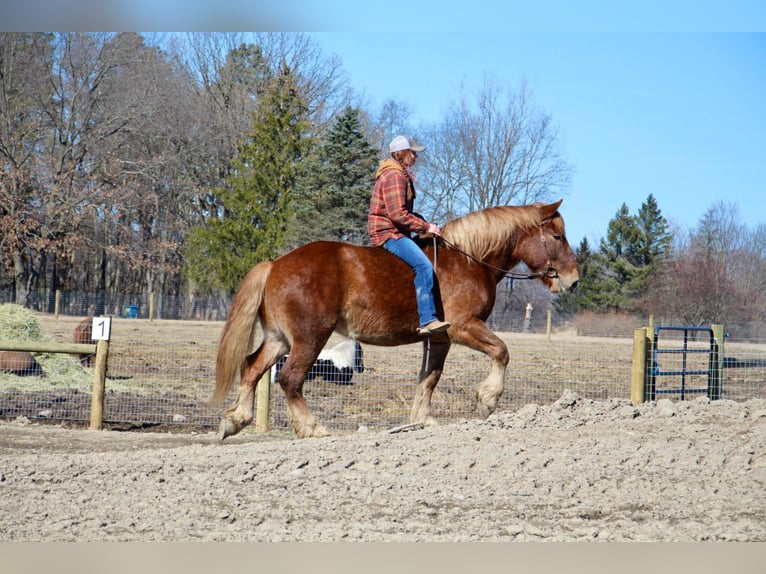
(563, 287)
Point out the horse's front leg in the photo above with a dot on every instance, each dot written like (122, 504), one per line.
(476, 335)
(434, 354)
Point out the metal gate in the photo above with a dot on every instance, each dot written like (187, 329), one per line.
(713, 372)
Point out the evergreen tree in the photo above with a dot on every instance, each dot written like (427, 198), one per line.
(634, 248)
(617, 257)
(654, 237)
(254, 205)
(586, 297)
(336, 186)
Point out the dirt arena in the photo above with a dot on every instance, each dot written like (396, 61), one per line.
(575, 470)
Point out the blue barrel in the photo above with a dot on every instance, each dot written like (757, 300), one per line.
(131, 311)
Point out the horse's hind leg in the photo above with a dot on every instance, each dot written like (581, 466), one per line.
(434, 354)
(291, 378)
(240, 414)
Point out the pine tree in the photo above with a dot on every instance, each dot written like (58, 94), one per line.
(616, 258)
(588, 293)
(634, 248)
(655, 238)
(336, 187)
(255, 204)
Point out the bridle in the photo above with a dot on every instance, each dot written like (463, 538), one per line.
(550, 271)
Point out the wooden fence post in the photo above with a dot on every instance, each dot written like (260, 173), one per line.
(548, 326)
(263, 394)
(99, 386)
(716, 362)
(638, 370)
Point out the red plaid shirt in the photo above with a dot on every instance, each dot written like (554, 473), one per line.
(391, 205)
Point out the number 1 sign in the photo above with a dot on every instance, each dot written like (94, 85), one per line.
(102, 327)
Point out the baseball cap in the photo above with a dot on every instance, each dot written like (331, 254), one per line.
(400, 143)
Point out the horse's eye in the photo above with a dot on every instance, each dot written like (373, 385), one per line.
(557, 237)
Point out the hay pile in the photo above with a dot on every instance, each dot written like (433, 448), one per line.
(19, 324)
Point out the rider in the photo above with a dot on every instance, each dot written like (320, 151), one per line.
(391, 221)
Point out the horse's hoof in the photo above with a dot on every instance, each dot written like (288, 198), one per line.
(317, 432)
(484, 411)
(226, 428)
(430, 422)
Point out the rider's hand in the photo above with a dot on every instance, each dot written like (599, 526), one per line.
(434, 229)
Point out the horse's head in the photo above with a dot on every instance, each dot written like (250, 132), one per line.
(546, 251)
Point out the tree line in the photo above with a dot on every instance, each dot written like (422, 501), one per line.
(171, 164)
(714, 273)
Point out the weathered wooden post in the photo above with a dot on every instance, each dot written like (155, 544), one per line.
(101, 333)
(263, 395)
(716, 363)
(548, 326)
(641, 348)
(99, 387)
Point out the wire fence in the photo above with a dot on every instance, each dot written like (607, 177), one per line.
(161, 375)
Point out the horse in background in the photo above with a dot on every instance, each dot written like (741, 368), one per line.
(334, 365)
(83, 335)
(296, 302)
(20, 363)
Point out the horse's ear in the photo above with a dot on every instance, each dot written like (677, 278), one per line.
(549, 210)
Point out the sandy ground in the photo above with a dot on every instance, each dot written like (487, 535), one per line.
(575, 470)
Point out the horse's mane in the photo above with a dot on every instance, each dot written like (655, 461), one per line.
(483, 232)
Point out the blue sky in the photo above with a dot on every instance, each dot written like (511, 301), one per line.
(681, 116)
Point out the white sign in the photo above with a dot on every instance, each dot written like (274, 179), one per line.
(102, 328)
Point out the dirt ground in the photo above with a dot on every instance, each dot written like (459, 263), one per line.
(574, 470)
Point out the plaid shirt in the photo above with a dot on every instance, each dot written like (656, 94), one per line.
(391, 205)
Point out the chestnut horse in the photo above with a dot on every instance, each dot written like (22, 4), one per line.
(20, 363)
(83, 335)
(294, 303)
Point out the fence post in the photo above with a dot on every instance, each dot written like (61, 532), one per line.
(56, 302)
(548, 326)
(263, 394)
(151, 305)
(716, 363)
(99, 386)
(642, 349)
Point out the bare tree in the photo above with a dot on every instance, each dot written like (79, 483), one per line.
(70, 123)
(147, 170)
(24, 84)
(718, 275)
(496, 150)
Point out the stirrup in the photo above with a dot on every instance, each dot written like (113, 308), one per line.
(434, 326)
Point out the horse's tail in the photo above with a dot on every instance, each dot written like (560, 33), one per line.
(238, 338)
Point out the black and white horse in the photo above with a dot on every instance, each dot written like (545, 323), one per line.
(335, 365)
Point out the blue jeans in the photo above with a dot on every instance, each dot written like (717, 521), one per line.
(408, 251)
